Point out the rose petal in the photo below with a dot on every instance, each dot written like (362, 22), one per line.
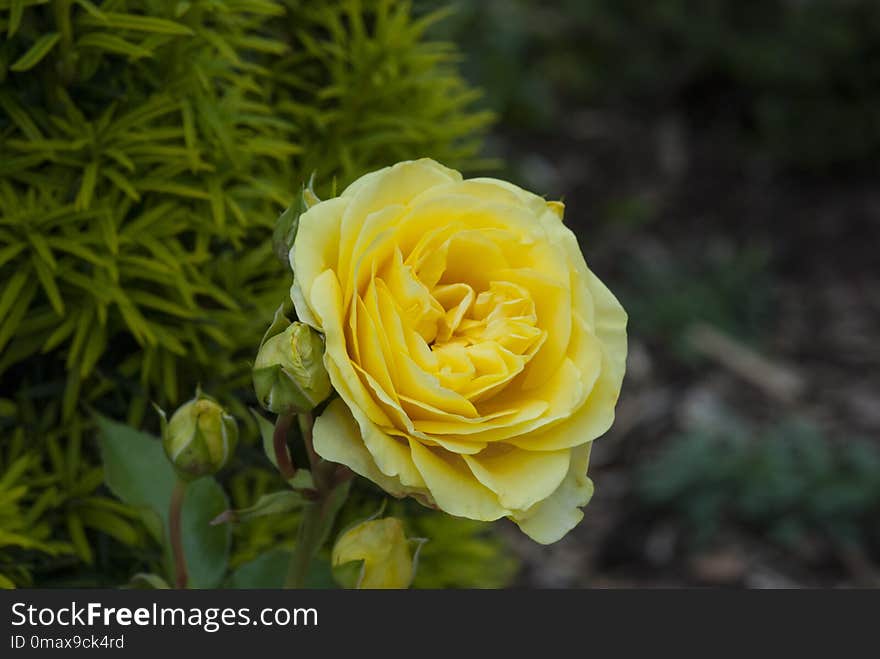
(453, 486)
(519, 478)
(315, 249)
(549, 520)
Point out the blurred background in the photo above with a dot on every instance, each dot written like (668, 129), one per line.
(719, 163)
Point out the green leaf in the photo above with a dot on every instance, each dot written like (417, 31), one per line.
(267, 434)
(287, 225)
(135, 467)
(87, 187)
(19, 305)
(155, 185)
(10, 293)
(48, 145)
(36, 52)
(142, 298)
(260, 44)
(190, 136)
(275, 503)
(16, 9)
(94, 346)
(13, 165)
(134, 319)
(263, 7)
(10, 252)
(108, 232)
(44, 274)
(269, 570)
(147, 581)
(218, 203)
(121, 158)
(83, 325)
(111, 524)
(265, 571)
(92, 9)
(78, 537)
(15, 470)
(20, 117)
(79, 250)
(206, 547)
(122, 183)
(137, 471)
(42, 247)
(223, 48)
(113, 44)
(273, 149)
(71, 394)
(139, 23)
(320, 575)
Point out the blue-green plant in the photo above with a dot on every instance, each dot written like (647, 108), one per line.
(787, 481)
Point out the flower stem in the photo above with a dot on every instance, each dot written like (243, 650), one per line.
(175, 534)
(319, 467)
(317, 516)
(279, 442)
(307, 544)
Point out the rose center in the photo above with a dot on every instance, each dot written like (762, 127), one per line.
(475, 335)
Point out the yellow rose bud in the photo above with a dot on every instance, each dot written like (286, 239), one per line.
(374, 554)
(475, 354)
(289, 374)
(200, 437)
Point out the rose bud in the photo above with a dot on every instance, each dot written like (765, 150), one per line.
(199, 438)
(289, 374)
(374, 554)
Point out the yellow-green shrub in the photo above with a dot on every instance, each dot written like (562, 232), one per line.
(146, 148)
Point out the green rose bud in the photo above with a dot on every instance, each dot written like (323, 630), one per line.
(374, 554)
(289, 374)
(200, 437)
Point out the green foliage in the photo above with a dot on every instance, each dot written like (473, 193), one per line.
(138, 472)
(265, 571)
(20, 529)
(146, 148)
(460, 553)
(48, 502)
(799, 79)
(268, 571)
(788, 482)
(259, 535)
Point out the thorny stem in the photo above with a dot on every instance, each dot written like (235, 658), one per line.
(176, 536)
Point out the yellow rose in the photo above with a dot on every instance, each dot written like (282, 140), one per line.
(475, 355)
